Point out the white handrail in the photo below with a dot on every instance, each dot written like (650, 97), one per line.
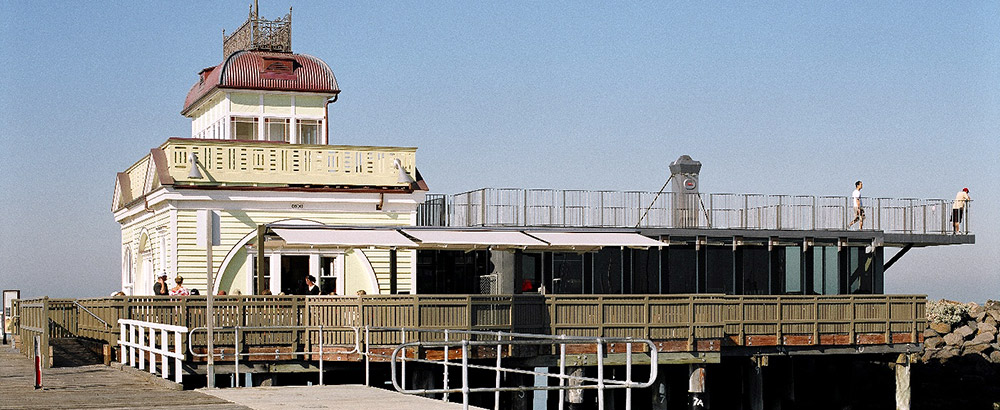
(136, 331)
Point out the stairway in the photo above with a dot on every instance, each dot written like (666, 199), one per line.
(71, 352)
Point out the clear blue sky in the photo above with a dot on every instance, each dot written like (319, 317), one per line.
(779, 98)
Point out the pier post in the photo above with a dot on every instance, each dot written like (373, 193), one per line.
(902, 367)
(659, 389)
(697, 397)
(574, 397)
(756, 384)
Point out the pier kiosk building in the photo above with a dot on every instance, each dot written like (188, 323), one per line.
(260, 152)
(722, 286)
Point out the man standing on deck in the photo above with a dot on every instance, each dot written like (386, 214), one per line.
(859, 212)
(958, 208)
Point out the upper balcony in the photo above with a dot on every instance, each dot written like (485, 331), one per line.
(514, 207)
(232, 163)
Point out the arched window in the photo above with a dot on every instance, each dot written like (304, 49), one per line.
(127, 268)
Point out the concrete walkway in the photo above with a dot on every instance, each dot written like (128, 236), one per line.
(346, 397)
(93, 387)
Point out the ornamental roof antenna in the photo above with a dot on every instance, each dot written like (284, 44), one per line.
(260, 34)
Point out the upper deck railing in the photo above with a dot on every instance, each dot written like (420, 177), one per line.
(262, 163)
(492, 207)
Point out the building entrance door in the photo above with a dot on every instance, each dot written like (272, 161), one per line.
(294, 269)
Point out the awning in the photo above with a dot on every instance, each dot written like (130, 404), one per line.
(355, 238)
(472, 239)
(594, 239)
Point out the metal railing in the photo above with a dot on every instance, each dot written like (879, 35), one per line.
(240, 348)
(493, 207)
(509, 340)
(137, 344)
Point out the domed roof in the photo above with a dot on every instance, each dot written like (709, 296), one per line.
(263, 70)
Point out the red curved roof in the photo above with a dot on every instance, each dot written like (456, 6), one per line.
(261, 70)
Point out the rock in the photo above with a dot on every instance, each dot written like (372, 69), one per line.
(990, 320)
(987, 328)
(953, 339)
(941, 328)
(971, 348)
(978, 312)
(946, 353)
(928, 354)
(995, 356)
(964, 331)
(930, 333)
(995, 314)
(984, 338)
(933, 342)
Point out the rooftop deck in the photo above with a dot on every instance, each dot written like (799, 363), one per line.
(515, 207)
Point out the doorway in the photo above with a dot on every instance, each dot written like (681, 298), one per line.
(294, 269)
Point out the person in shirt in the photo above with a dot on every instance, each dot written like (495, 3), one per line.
(179, 290)
(958, 207)
(311, 287)
(160, 288)
(859, 212)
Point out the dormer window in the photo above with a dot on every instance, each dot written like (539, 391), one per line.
(279, 68)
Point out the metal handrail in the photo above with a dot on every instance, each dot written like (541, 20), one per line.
(600, 383)
(106, 324)
(237, 347)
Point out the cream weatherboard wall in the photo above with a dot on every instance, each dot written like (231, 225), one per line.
(146, 250)
(235, 225)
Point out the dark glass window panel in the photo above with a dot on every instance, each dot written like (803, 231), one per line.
(567, 273)
(755, 270)
(719, 269)
(608, 271)
(682, 269)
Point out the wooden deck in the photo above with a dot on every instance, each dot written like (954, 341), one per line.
(92, 387)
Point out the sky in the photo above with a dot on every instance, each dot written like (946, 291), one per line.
(796, 98)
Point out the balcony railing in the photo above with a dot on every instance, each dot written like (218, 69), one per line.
(515, 207)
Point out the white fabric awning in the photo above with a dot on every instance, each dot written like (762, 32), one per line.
(594, 239)
(458, 239)
(356, 238)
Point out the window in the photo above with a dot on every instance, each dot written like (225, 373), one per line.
(127, 267)
(244, 128)
(793, 269)
(327, 275)
(308, 131)
(276, 129)
(266, 268)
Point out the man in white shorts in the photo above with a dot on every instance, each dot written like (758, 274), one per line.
(859, 212)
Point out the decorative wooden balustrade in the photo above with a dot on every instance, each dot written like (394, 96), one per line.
(677, 323)
(265, 164)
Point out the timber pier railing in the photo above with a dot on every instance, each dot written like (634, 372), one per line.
(675, 323)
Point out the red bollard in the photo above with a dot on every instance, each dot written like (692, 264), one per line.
(38, 362)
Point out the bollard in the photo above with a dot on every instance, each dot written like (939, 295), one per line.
(38, 362)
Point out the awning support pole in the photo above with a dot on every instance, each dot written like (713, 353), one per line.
(261, 230)
(393, 274)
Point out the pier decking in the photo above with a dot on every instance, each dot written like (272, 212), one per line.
(94, 386)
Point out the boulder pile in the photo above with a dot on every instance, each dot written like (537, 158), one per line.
(956, 329)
